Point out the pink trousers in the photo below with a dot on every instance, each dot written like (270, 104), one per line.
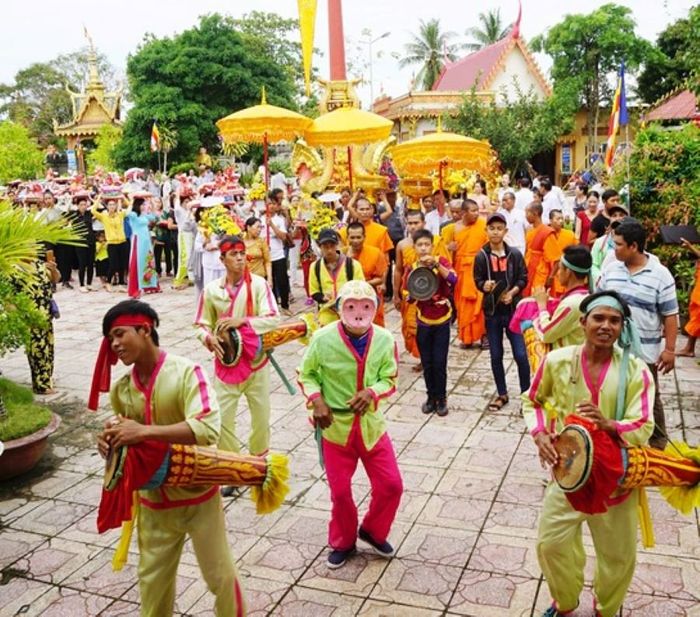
(385, 479)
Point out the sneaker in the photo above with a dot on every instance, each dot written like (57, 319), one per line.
(83, 290)
(553, 612)
(428, 406)
(337, 558)
(383, 550)
(441, 407)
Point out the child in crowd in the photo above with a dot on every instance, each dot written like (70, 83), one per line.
(101, 258)
(434, 316)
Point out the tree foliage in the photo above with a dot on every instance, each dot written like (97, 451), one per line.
(672, 61)
(429, 49)
(106, 142)
(490, 30)
(38, 94)
(587, 51)
(665, 190)
(20, 157)
(191, 80)
(518, 129)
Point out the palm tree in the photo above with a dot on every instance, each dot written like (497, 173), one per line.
(430, 48)
(491, 30)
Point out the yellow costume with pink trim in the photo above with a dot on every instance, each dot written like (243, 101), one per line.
(561, 382)
(179, 391)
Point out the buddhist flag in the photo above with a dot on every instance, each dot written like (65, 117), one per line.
(307, 23)
(618, 117)
(155, 138)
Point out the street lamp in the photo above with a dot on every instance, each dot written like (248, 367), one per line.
(370, 41)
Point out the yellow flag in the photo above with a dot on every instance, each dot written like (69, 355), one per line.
(307, 23)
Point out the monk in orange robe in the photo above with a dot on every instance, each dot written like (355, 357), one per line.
(564, 238)
(469, 237)
(542, 252)
(405, 258)
(375, 265)
(692, 328)
(376, 235)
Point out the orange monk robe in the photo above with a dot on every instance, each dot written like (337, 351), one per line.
(692, 328)
(409, 311)
(375, 235)
(564, 238)
(374, 265)
(470, 318)
(542, 252)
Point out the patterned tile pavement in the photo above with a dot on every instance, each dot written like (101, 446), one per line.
(464, 533)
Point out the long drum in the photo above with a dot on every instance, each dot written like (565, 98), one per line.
(594, 468)
(535, 348)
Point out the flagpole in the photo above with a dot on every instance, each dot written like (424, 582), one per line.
(628, 154)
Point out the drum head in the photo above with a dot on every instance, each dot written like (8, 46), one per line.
(575, 449)
(422, 283)
(231, 342)
(114, 467)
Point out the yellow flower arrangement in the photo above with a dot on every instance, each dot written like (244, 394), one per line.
(217, 220)
(323, 218)
(257, 191)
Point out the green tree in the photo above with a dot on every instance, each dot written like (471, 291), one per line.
(168, 142)
(38, 94)
(191, 80)
(587, 51)
(490, 31)
(103, 154)
(20, 156)
(520, 127)
(429, 49)
(670, 63)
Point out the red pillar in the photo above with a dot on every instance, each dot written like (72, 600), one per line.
(336, 40)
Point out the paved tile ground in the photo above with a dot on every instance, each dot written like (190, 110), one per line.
(465, 533)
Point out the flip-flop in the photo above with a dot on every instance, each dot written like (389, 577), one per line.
(498, 402)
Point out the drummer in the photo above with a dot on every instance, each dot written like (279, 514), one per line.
(185, 411)
(236, 300)
(585, 380)
(433, 316)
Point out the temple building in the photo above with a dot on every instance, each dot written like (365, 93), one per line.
(92, 109)
(677, 107)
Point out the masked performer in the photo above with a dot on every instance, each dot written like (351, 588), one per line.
(348, 369)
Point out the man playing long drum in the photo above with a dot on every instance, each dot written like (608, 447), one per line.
(605, 385)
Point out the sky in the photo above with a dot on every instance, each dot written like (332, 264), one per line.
(117, 28)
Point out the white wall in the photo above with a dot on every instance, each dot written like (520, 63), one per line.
(516, 65)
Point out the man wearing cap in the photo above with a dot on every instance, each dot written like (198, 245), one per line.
(348, 369)
(164, 398)
(650, 290)
(243, 301)
(500, 274)
(587, 380)
(603, 249)
(406, 256)
(375, 266)
(329, 273)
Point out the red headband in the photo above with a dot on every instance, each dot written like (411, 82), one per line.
(106, 358)
(225, 247)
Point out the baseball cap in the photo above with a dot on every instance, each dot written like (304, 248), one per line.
(328, 235)
(496, 217)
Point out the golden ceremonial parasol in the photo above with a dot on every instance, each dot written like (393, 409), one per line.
(264, 124)
(347, 126)
(440, 150)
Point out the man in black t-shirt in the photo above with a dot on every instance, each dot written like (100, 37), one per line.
(600, 224)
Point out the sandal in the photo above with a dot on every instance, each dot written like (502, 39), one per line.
(498, 402)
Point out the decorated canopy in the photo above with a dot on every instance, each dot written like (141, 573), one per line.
(347, 126)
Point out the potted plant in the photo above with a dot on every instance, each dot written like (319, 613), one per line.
(24, 425)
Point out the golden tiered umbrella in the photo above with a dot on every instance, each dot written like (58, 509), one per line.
(264, 124)
(347, 126)
(438, 151)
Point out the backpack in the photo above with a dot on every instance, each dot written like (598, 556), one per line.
(349, 271)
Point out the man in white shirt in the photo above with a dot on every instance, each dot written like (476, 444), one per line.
(279, 181)
(524, 196)
(433, 219)
(275, 231)
(515, 221)
(550, 199)
(505, 186)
